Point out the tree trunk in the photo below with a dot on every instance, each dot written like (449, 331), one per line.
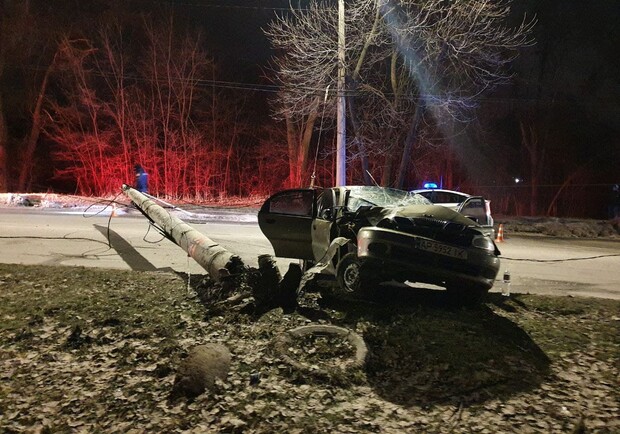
(529, 140)
(3, 128)
(351, 101)
(298, 147)
(359, 140)
(305, 146)
(27, 160)
(412, 137)
(291, 138)
(3, 150)
(386, 177)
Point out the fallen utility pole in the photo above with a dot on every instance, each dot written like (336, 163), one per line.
(215, 259)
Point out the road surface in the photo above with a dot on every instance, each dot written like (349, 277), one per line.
(541, 265)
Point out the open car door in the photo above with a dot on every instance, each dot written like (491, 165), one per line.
(286, 220)
(475, 208)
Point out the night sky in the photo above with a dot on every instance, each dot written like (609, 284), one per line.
(234, 27)
(575, 58)
(585, 35)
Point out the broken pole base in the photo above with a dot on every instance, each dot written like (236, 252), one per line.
(271, 290)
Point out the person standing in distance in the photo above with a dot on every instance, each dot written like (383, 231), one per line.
(614, 202)
(142, 179)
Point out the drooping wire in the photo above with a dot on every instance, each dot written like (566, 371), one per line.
(318, 142)
(584, 258)
(169, 205)
(112, 203)
(189, 276)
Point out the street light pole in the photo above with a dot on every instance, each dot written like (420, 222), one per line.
(341, 138)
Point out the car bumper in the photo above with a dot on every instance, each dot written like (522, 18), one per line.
(410, 257)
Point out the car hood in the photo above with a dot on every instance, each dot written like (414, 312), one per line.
(436, 212)
(433, 221)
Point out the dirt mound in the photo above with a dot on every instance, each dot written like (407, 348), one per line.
(561, 227)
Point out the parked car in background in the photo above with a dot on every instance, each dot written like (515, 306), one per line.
(473, 207)
(366, 235)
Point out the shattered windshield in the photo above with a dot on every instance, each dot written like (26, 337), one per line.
(384, 197)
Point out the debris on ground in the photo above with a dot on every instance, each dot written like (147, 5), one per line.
(198, 372)
(526, 364)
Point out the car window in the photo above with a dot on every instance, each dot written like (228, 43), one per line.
(427, 194)
(325, 201)
(293, 203)
(445, 197)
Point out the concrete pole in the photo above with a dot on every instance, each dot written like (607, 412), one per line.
(218, 261)
(341, 137)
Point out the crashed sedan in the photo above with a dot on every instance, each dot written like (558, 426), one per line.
(365, 235)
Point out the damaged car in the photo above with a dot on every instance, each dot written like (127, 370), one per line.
(365, 235)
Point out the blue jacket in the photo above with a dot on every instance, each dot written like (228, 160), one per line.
(142, 180)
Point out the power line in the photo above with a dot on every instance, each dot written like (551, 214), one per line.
(310, 90)
(229, 6)
(560, 260)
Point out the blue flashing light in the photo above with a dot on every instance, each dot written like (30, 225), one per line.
(430, 185)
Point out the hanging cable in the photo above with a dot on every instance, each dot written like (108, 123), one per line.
(189, 277)
(169, 205)
(318, 142)
(611, 255)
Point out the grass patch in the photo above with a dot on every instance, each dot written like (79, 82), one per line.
(562, 325)
(96, 350)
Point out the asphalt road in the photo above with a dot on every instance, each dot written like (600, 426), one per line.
(541, 265)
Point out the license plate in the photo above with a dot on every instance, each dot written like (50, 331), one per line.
(441, 249)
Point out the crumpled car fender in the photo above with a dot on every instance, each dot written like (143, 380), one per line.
(326, 263)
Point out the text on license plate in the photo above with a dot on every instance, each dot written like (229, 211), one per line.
(441, 249)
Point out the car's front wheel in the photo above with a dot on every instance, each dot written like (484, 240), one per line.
(354, 276)
(348, 273)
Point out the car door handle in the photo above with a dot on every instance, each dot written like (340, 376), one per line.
(270, 221)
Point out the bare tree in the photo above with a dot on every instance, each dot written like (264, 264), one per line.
(127, 104)
(30, 32)
(9, 38)
(24, 41)
(411, 64)
(150, 102)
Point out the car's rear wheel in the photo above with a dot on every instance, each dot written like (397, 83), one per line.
(466, 295)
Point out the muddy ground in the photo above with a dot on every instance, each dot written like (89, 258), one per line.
(560, 227)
